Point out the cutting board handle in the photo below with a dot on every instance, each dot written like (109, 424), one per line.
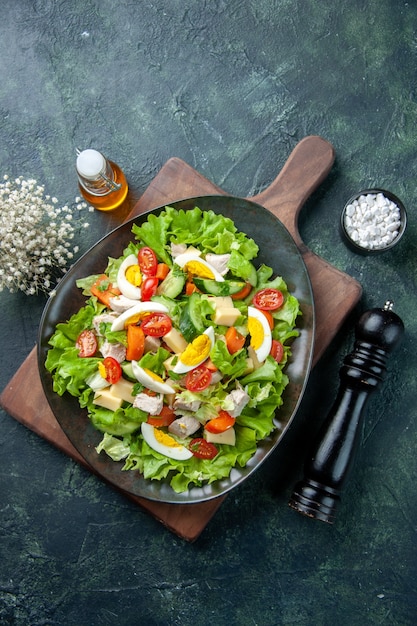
(306, 167)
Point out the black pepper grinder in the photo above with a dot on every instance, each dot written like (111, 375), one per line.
(325, 472)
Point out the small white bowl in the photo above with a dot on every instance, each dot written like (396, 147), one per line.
(377, 238)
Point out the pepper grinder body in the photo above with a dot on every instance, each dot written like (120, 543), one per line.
(333, 455)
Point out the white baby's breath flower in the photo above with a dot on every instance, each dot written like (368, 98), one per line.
(35, 237)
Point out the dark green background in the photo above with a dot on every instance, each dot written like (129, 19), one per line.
(230, 87)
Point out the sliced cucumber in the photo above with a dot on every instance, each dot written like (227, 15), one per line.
(191, 321)
(128, 371)
(215, 288)
(173, 284)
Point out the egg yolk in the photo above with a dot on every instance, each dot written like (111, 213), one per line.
(256, 332)
(135, 319)
(166, 440)
(153, 375)
(198, 269)
(196, 351)
(133, 275)
(102, 370)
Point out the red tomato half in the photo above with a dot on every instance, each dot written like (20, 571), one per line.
(86, 343)
(147, 261)
(198, 379)
(113, 369)
(149, 287)
(268, 299)
(277, 350)
(156, 325)
(203, 449)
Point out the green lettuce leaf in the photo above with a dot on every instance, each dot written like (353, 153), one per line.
(116, 449)
(207, 230)
(230, 365)
(241, 266)
(154, 361)
(154, 233)
(121, 422)
(70, 371)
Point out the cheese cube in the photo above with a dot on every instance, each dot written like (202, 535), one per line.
(123, 389)
(107, 400)
(221, 302)
(175, 341)
(168, 362)
(227, 437)
(226, 316)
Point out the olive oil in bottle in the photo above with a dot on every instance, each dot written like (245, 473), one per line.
(102, 182)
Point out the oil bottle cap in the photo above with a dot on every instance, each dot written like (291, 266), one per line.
(90, 163)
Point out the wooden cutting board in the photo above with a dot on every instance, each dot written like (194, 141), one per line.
(335, 295)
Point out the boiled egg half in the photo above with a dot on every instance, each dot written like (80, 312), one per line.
(192, 263)
(164, 444)
(150, 380)
(132, 314)
(129, 278)
(196, 352)
(260, 333)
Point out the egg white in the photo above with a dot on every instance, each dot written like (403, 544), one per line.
(265, 348)
(183, 259)
(178, 453)
(127, 289)
(182, 368)
(140, 307)
(148, 381)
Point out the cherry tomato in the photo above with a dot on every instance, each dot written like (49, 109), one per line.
(203, 449)
(277, 350)
(165, 418)
(147, 260)
(198, 379)
(86, 343)
(219, 424)
(149, 287)
(113, 369)
(268, 299)
(156, 325)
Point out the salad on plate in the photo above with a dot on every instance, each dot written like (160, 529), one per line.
(179, 353)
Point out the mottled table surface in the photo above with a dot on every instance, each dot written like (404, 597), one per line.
(230, 87)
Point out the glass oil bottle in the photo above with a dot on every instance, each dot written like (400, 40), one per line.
(102, 182)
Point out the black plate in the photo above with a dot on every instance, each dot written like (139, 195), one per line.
(278, 250)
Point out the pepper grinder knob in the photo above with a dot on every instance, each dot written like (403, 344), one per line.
(378, 331)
